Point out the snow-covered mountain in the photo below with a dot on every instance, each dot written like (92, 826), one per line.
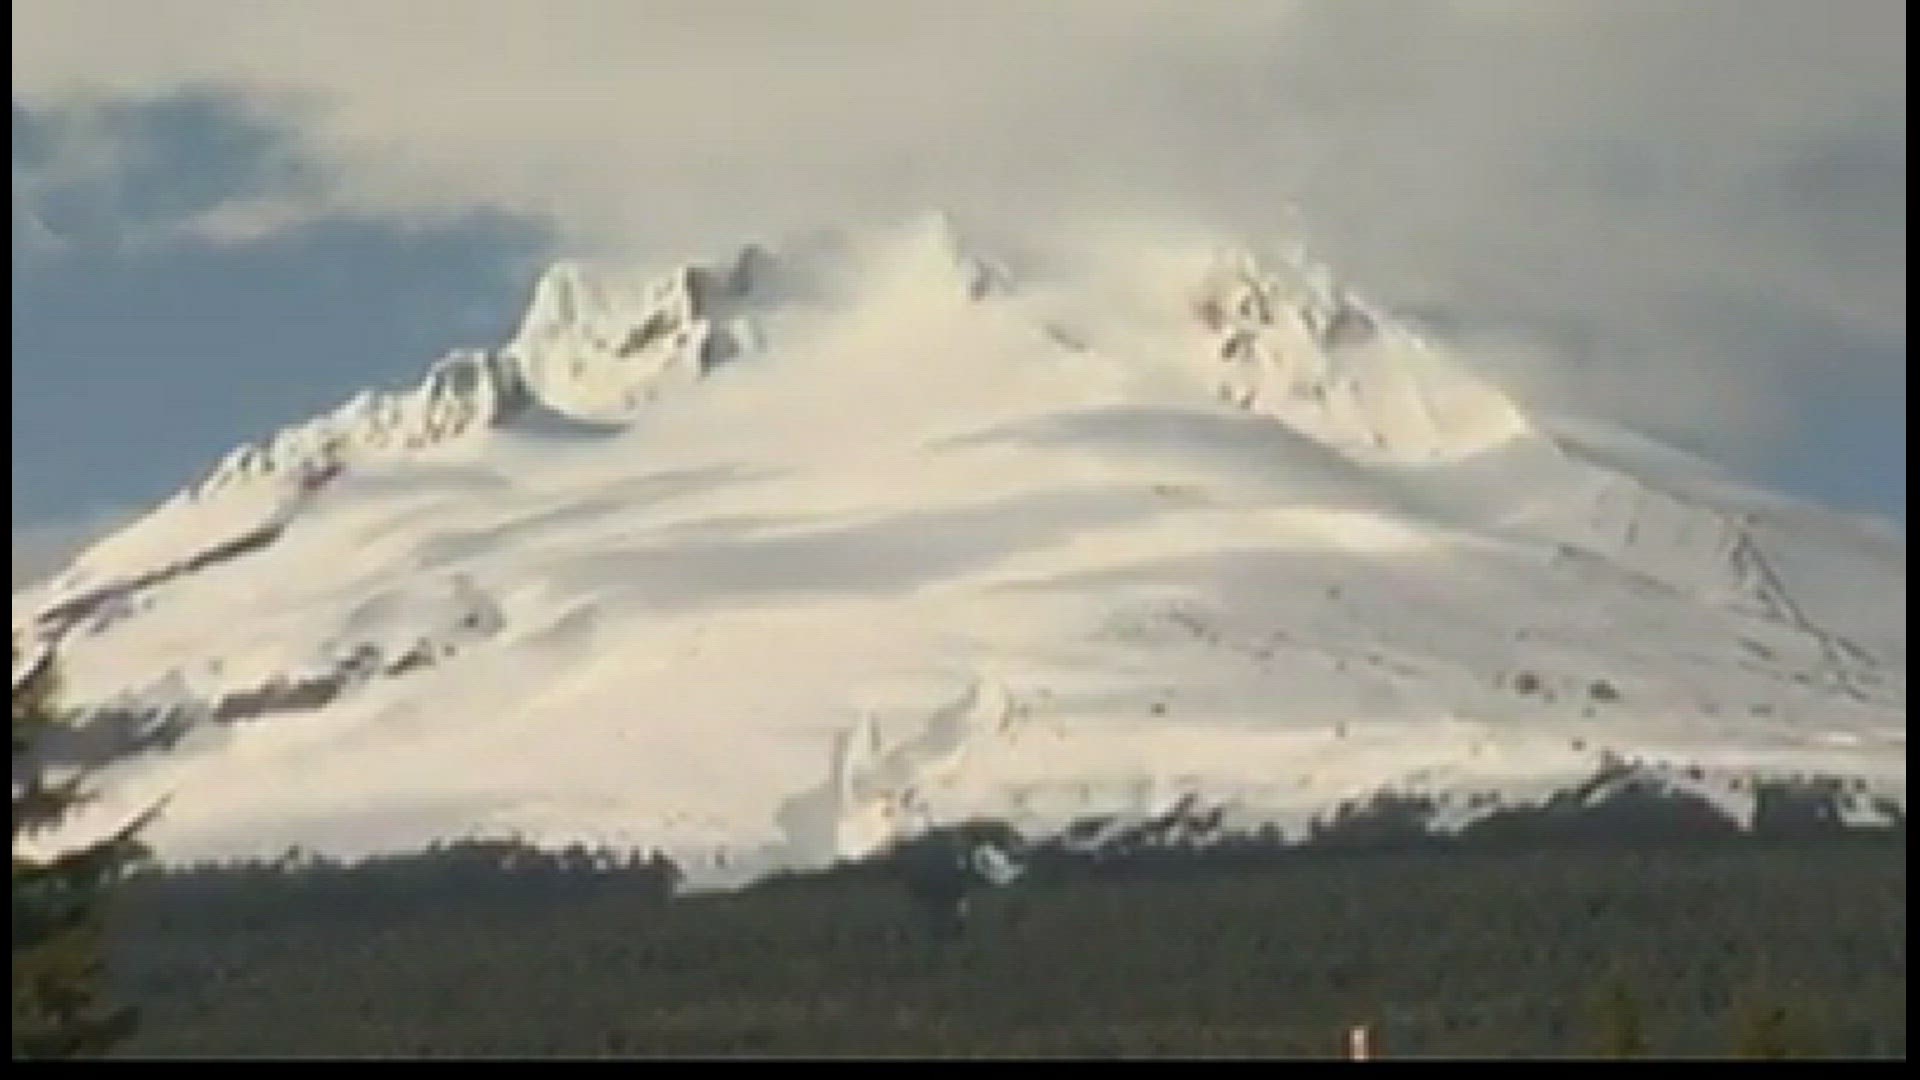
(766, 563)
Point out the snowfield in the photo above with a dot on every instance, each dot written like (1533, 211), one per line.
(767, 563)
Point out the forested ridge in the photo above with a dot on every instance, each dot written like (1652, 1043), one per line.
(1512, 943)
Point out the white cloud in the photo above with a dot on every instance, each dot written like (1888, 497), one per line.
(238, 222)
(1652, 188)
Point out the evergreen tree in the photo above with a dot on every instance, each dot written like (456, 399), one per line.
(1622, 1030)
(1768, 1030)
(938, 878)
(942, 869)
(59, 1001)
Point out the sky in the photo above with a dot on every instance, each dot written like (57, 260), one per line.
(1685, 215)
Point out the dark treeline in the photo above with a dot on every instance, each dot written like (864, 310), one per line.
(483, 881)
(1516, 940)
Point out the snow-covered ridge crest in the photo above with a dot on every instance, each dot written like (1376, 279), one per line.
(1295, 344)
(1279, 335)
(598, 345)
(464, 392)
(593, 346)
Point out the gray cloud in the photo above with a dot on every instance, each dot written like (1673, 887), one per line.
(1674, 212)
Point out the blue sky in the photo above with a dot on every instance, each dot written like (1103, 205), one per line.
(135, 365)
(203, 252)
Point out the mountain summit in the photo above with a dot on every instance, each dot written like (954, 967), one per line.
(769, 562)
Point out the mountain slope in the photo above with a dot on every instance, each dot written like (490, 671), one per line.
(767, 563)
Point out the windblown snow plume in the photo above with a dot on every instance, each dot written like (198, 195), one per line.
(772, 562)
